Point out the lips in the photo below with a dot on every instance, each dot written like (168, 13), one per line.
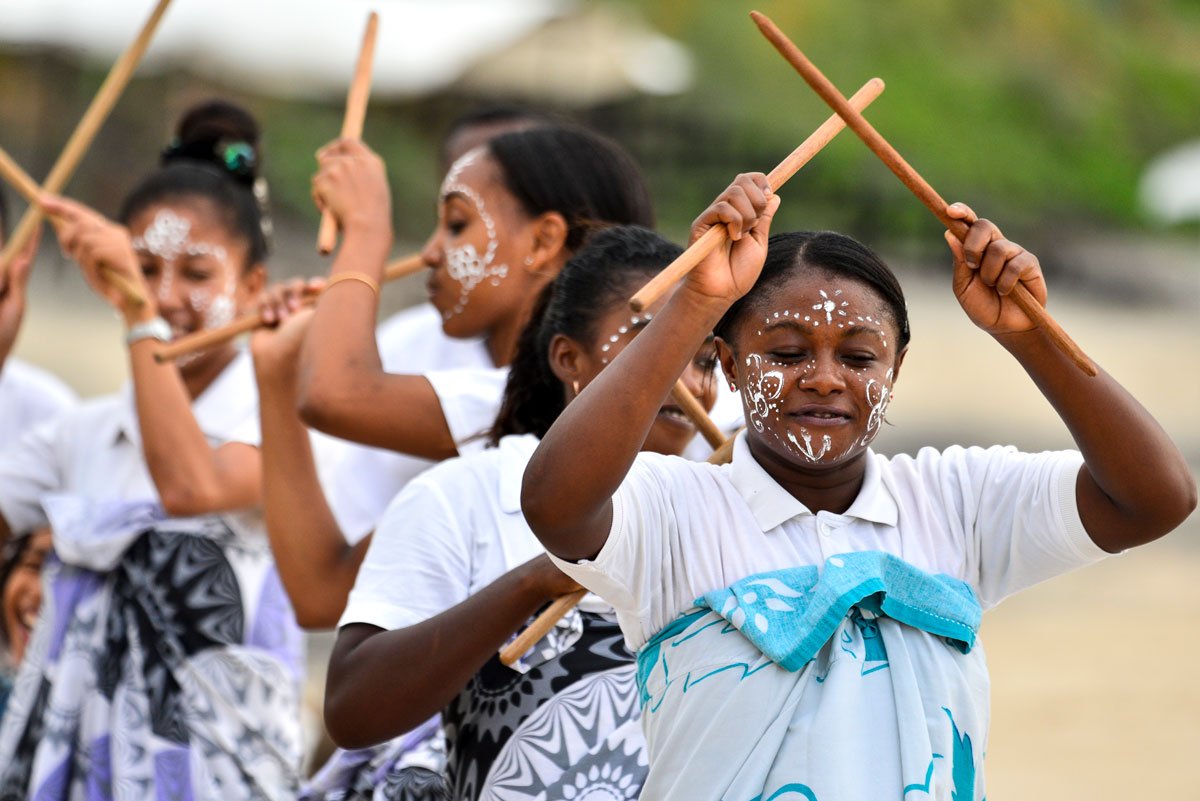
(674, 415)
(821, 415)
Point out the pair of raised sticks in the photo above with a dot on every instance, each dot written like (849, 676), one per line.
(847, 113)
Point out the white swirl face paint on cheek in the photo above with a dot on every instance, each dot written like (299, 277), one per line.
(464, 263)
(879, 395)
(760, 391)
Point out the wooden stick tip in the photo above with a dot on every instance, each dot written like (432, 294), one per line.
(636, 305)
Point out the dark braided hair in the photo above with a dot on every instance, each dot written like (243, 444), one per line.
(215, 156)
(609, 268)
(587, 178)
(821, 251)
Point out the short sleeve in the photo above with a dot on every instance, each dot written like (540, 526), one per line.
(29, 469)
(1022, 519)
(470, 399)
(418, 564)
(628, 571)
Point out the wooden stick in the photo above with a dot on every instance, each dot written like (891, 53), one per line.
(540, 627)
(249, 322)
(718, 235)
(555, 612)
(695, 412)
(915, 183)
(28, 188)
(110, 91)
(352, 123)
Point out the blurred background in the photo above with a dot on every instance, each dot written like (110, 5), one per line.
(1075, 124)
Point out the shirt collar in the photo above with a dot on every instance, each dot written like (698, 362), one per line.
(514, 453)
(222, 407)
(772, 505)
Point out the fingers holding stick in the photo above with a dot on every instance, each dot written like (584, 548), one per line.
(64, 215)
(718, 235)
(200, 340)
(352, 123)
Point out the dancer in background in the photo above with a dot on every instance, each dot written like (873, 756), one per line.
(166, 659)
(806, 617)
(510, 214)
(453, 572)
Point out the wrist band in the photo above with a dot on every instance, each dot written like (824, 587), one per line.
(354, 275)
(154, 328)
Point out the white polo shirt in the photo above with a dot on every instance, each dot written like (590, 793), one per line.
(29, 395)
(95, 450)
(469, 387)
(451, 532)
(997, 519)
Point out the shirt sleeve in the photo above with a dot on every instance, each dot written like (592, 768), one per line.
(1021, 518)
(470, 400)
(630, 570)
(418, 564)
(29, 469)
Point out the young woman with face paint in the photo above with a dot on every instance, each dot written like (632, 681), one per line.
(806, 617)
(163, 598)
(453, 571)
(510, 213)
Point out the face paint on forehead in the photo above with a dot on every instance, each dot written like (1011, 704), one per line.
(464, 263)
(634, 322)
(168, 238)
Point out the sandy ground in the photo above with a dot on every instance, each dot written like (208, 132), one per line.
(1094, 689)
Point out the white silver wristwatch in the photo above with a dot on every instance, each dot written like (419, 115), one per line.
(154, 328)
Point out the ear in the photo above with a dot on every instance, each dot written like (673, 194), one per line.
(569, 361)
(548, 252)
(728, 362)
(896, 367)
(254, 280)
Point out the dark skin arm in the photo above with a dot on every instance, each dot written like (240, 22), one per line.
(344, 390)
(316, 564)
(383, 683)
(569, 483)
(1135, 484)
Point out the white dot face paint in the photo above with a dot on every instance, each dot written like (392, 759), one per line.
(464, 263)
(817, 377)
(635, 324)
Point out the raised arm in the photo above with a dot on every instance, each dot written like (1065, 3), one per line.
(383, 683)
(344, 390)
(191, 476)
(1135, 484)
(316, 564)
(569, 483)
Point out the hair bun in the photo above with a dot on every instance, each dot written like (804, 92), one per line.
(220, 133)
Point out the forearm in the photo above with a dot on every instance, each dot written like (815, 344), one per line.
(316, 564)
(1135, 485)
(344, 390)
(184, 467)
(387, 683)
(586, 454)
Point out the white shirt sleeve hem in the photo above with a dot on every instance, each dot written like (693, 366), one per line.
(1067, 506)
(374, 613)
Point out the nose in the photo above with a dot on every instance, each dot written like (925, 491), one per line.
(822, 374)
(166, 289)
(431, 251)
(702, 384)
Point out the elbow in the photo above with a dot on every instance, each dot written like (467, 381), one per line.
(187, 501)
(340, 722)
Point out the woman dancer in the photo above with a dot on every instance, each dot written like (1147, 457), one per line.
(806, 617)
(166, 659)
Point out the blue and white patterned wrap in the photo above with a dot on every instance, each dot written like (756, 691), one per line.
(859, 679)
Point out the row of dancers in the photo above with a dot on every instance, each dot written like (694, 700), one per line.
(795, 618)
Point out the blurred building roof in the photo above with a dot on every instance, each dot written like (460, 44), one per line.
(554, 50)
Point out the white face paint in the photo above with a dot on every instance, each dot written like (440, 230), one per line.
(168, 238)
(765, 381)
(464, 262)
(634, 323)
